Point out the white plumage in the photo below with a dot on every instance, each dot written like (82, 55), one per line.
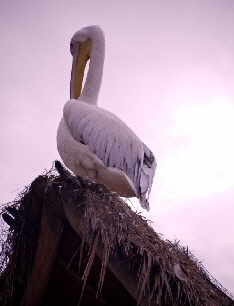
(93, 142)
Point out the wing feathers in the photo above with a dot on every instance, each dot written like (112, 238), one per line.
(113, 142)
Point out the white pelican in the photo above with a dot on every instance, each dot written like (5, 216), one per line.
(93, 142)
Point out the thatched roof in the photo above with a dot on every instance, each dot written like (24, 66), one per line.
(73, 241)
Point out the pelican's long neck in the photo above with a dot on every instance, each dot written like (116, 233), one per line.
(93, 81)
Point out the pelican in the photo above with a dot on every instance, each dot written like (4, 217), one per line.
(93, 142)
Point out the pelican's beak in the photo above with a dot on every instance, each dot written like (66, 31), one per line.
(80, 58)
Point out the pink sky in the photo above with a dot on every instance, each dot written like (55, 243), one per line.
(168, 74)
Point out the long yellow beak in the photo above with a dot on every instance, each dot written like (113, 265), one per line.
(80, 59)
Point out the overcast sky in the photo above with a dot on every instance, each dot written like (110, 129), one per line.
(168, 74)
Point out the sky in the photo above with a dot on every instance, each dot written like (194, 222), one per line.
(168, 74)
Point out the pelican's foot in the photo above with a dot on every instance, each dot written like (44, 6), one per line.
(92, 175)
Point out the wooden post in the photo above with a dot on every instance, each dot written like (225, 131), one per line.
(48, 244)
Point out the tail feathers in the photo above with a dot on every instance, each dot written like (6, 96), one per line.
(147, 175)
(144, 203)
(144, 190)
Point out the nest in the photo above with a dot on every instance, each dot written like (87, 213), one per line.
(108, 234)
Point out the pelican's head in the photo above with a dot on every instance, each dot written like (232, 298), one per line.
(81, 50)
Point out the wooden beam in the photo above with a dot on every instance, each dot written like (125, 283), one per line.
(88, 286)
(47, 248)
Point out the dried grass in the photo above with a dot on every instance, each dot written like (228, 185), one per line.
(168, 272)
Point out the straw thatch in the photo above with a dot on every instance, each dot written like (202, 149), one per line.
(71, 241)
